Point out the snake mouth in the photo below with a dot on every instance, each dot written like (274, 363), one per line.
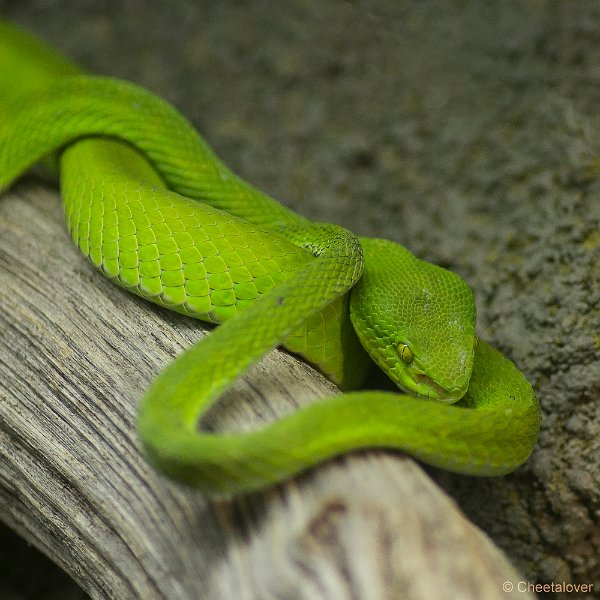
(414, 380)
(424, 386)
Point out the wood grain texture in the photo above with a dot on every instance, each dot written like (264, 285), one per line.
(76, 354)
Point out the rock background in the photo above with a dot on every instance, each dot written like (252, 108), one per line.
(466, 130)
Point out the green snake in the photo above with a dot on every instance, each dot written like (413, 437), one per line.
(152, 207)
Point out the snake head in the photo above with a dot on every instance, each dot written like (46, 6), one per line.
(416, 320)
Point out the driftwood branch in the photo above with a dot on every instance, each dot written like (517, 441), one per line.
(76, 354)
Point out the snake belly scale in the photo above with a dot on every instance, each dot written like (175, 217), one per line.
(152, 207)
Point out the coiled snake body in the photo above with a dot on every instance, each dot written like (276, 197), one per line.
(172, 224)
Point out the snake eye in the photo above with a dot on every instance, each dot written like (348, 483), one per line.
(405, 353)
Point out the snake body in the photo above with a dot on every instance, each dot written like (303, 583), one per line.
(152, 207)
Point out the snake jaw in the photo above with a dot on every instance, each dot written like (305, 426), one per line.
(415, 380)
(428, 388)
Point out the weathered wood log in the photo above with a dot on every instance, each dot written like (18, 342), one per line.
(76, 354)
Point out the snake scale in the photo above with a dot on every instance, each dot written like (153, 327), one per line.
(172, 224)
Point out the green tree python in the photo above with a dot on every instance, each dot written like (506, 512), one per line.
(172, 224)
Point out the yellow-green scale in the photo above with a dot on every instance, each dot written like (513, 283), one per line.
(180, 253)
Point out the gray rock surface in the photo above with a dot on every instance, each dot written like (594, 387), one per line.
(466, 130)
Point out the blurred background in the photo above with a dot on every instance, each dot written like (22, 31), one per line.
(466, 130)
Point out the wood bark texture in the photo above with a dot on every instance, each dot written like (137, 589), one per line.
(76, 354)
